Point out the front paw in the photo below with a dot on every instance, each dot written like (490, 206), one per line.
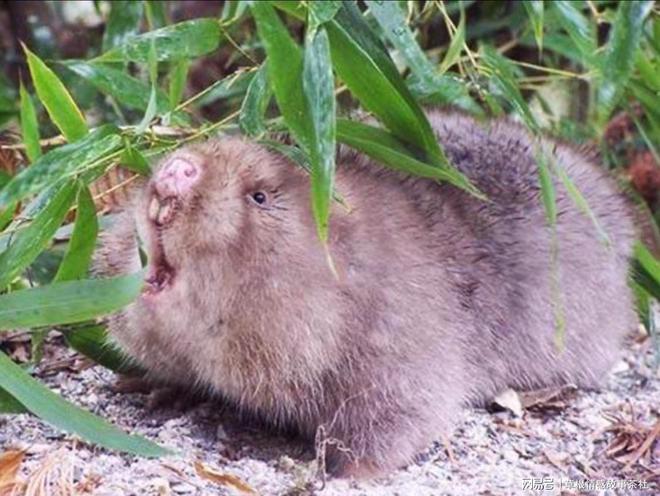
(159, 395)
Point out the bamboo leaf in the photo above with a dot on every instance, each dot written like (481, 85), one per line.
(255, 103)
(29, 242)
(29, 125)
(385, 148)
(228, 87)
(455, 46)
(59, 104)
(4, 178)
(391, 19)
(579, 28)
(178, 77)
(67, 417)
(285, 66)
(9, 404)
(318, 87)
(582, 204)
(123, 22)
(132, 159)
(152, 107)
(67, 302)
(534, 10)
(126, 89)
(647, 270)
(321, 12)
(548, 194)
(503, 78)
(78, 256)
(378, 85)
(188, 39)
(60, 162)
(620, 54)
(92, 341)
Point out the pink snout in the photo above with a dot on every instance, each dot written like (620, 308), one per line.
(177, 177)
(171, 186)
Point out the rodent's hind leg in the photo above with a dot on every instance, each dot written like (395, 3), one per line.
(370, 439)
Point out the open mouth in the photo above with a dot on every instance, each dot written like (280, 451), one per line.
(159, 278)
(160, 274)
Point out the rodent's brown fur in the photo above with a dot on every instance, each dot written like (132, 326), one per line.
(442, 299)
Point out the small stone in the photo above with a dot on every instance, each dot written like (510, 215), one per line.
(162, 486)
(183, 488)
(221, 434)
(286, 463)
(620, 367)
(510, 455)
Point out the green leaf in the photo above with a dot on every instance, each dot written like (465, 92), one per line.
(61, 108)
(67, 417)
(548, 193)
(92, 341)
(9, 404)
(29, 126)
(4, 178)
(649, 71)
(126, 89)
(449, 90)
(178, 77)
(318, 87)
(377, 84)
(386, 149)
(582, 204)
(67, 302)
(647, 270)
(620, 54)
(133, 160)
(502, 76)
(579, 28)
(81, 245)
(234, 85)
(321, 12)
(534, 10)
(61, 162)
(152, 107)
(455, 46)
(285, 66)
(391, 19)
(232, 10)
(188, 39)
(7, 215)
(293, 153)
(28, 243)
(255, 103)
(123, 22)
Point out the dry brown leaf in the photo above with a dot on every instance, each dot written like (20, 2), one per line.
(10, 462)
(208, 473)
(645, 446)
(558, 460)
(552, 398)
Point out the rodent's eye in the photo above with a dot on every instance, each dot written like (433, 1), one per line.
(259, 197)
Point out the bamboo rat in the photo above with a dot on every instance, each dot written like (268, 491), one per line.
(442, 299)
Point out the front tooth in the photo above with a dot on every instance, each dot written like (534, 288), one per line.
(154, 207)
(165, 212)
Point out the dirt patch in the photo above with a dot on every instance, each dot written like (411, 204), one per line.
(609, 438)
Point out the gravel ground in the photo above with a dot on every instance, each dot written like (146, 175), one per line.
(545, 450)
